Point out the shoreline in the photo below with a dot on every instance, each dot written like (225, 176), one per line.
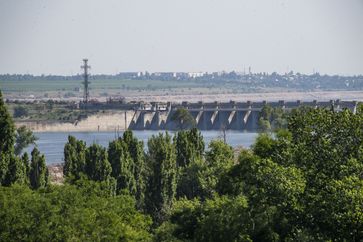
(109, 122)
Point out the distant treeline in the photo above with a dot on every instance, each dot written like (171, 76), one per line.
(229, 79)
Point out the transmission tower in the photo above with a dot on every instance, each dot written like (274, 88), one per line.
(85, 83)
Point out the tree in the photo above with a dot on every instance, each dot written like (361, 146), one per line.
(219, 219)
(340, 208)
(324, 141)
(5, 159)
(17, 172)
(274, 193)
(307, 177)
(219, 155)
(271, 119)
(24, 138)
(192, 180)
(279, 120)
(219, 159)
(266, 112)
(264, 125)
(97, 167)
(7, 129)
(25, 160)
(122, 166)
(328, 147)
(38, 170)
(183, 149)
(161, 186)
(189, 156)
(74, 157)
(189, 146)
(7, 139)
(136, 150)
(183, 118)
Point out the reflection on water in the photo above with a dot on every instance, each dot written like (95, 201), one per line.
(51, 144)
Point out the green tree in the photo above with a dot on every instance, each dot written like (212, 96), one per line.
(7, 128)
(26, 162)
(17, 172)
(122, 166)
(161, 186)
(328, 147)
(74, 157)
(264, 125)
(136, 150)
(341, 208)
(279, 119)
(218, 219)
(183, 118)
(266, 112)
(5, 159)
(24, 138)
(97, 166)
(38, 170)
(264, 121)
(219, 159)
(271, 119)
(274, 193)
(7, 139)
(190, 162)
(189, 146)
(192, 180)
(278, 147)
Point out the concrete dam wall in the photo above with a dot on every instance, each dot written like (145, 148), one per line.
(241, 116)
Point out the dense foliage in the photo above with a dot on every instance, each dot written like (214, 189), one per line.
(13, 168)
(69, 213)
(302, 183)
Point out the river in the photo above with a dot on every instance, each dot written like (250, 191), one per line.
(51, 144)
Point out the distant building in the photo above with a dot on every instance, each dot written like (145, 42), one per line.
(129, 75)
(196, 74)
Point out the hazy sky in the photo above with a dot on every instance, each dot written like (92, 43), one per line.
(53, 36)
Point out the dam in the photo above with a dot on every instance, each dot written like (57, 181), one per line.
(242, 116)
(235, 116)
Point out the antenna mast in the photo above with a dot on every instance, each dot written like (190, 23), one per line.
(86, 83)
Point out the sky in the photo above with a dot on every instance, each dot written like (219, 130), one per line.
(53, 36)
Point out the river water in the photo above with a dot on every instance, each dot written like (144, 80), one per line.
(51, 144)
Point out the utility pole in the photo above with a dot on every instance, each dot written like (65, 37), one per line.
(85, 83)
